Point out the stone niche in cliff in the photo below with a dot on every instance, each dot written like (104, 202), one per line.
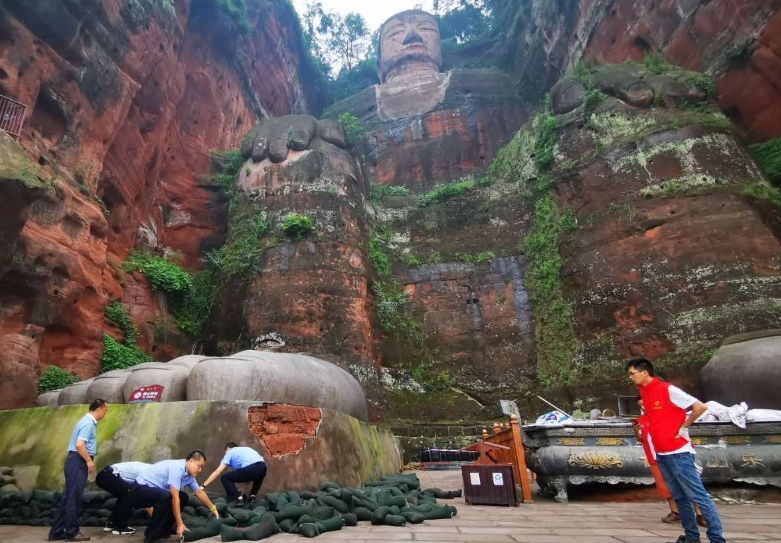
(426, 127)
(672, 245)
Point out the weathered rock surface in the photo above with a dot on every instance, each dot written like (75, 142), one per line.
(337, 447)
(309, 294)
(738, 43)
(671, 253)
(126, 100)
(747, 371)
(278, 378)
(434, 128)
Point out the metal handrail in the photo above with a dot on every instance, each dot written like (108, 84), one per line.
(12, 114)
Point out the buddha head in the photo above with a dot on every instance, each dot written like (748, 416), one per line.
(409, 44)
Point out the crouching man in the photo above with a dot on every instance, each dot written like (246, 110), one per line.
(160, 486)
(247, 465)
(118, 480)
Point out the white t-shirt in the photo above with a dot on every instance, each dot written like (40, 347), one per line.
(683, 400)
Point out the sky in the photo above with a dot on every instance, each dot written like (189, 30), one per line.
(373, 11)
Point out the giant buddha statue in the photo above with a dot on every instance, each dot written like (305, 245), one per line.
(426, 126)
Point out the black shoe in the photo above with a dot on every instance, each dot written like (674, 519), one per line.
(250, 500)
(109, 526)
(684, 539)
(78, 537)
(57, 538)
(123, 531)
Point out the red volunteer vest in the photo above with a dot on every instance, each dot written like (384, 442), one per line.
(664, 417)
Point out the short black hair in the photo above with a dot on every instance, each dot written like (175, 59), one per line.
(97, 404)
(196, 455)
(230, 444)
(641, 364)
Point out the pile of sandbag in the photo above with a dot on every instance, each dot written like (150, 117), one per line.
(394, 501)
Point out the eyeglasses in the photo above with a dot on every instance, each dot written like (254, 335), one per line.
(631, 373)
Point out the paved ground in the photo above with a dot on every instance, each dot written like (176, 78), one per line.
(541, 522)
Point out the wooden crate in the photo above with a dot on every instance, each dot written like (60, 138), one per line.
(489, 484)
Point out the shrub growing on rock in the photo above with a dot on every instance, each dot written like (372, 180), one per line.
(54, 378)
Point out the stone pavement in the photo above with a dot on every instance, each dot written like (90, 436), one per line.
(541, 522)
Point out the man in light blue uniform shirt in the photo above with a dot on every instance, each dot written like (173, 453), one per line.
(160, 486)
(118, 480)
(247, 465)
(82, 448)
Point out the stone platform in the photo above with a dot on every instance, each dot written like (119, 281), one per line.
(541, 522)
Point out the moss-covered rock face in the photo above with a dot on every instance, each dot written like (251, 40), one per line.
(670, 253)
(340, 449)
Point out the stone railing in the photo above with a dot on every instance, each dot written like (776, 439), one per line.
(11, 116)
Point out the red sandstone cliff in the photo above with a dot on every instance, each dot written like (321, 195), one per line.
(126, 101)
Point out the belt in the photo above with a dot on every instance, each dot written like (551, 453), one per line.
(91, 457)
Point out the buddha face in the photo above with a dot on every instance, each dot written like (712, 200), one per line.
(409, 44)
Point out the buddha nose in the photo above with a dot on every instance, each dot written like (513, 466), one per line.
(412, 37)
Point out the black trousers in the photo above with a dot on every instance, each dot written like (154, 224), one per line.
(162, 522)
(65, 523)
(117, 487)
(254, 472)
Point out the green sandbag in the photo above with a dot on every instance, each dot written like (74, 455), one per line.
(244, 517)
(286, 524)
(294, 498)
(329, 485)
(364, 503)
(202, 511)
(443, 512)
(196, 522)
(307, 495)
(282, 502)
(228, 533)
(43, 496)
(221, 499)
(311, 529)
(379, 514)
(292, 511)
(195, 502)
(211, 529)
(229, 521)
(329, 525)
(362, 513)
(337, 504)
(394, 520)
(263, 529)
(260, 510)
(413, 517)
(443, 494)
(322, 512)
(346, 497)
(271, 498)
(398, 501)
(394, 510)
(305, 519)
(233, 511)
(350, 519)
(222, 508)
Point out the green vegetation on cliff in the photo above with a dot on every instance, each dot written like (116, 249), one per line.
(768, 156)
(296, 226)
(163, 275)
(121, 355)
(55, 378)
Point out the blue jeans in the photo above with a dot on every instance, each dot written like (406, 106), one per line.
(681, 477)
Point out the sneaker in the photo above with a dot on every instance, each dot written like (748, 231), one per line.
(123, 531)
(78, 537)
(251, 499)
(671, 517)
(109, 526)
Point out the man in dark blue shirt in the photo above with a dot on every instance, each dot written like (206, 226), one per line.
(82, 448)
(247, 465)
(160, 486)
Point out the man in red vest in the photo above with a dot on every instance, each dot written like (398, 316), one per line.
(665, 409)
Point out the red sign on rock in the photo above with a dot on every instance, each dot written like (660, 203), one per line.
(148, 394)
